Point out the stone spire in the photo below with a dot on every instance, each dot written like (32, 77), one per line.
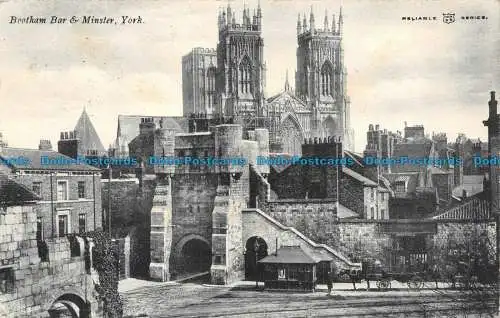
(287, 84)
(304, 23)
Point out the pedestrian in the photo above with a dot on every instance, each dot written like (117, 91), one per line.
(329, 282)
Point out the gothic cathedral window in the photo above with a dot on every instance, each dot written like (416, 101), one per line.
(245, 76)
(327, 79)
(211, 87)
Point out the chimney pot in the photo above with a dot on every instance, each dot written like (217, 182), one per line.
(492, 93)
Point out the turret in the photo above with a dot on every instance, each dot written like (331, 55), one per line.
(333, 24)
(304, 24)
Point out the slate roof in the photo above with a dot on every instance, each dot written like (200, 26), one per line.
(411, 150)
(345, 213)
(128, 126)
(412, 178)
(291, 255)
(357, 176)
(89, 139)
(357, 158)
(473, 184)
(13, 193)
(33, 160)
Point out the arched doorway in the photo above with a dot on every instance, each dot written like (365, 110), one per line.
(193, 255)
(69, 305)
(255, 250)
(329, 127)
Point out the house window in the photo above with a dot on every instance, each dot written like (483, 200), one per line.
(82, 222)
(37, 188)
(281, 273)
(400, 187)
(63, 225)
(372, 212)
(6, 280)
(39, 229)
(62, 190)
(382, 214)
(366, 211)
(372, 192)
(81, 189)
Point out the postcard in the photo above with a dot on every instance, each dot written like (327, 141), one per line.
(258, 158)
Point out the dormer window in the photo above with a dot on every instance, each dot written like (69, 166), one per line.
(401, 184)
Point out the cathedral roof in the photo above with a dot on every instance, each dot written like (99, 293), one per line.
(288, 103)
(88, 135)
(360, 178)
(128, 126)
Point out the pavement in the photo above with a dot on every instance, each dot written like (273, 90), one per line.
(240, 299)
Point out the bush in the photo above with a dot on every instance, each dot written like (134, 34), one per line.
(105, 255)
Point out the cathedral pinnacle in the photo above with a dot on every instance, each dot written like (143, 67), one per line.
(299, 26)
(311, 20)
(341, 22)
(333, 24)
(326, 22)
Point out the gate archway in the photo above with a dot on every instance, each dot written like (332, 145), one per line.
(255, 250)
(69, 306)
(193, 255)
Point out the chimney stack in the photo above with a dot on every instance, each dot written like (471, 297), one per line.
(45, 144)
(493, 105)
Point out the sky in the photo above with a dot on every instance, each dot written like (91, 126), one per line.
(430, 73)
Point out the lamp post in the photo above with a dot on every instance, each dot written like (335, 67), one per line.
(256, 249)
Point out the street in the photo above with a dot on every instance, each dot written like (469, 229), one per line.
(242, 300)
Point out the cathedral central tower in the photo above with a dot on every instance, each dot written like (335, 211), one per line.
(240, 65)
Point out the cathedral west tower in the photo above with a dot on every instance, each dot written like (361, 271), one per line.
(240, 66)
(320, 78)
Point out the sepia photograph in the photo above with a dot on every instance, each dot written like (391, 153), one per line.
(249, 158)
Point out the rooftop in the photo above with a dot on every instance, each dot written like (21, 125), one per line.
(291, 255)
(13, 193)
(33, 160)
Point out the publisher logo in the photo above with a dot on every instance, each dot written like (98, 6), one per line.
(448, 18)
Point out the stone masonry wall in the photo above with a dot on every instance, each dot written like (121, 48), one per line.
(38, 284)
(315, 218)
(364, 239)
